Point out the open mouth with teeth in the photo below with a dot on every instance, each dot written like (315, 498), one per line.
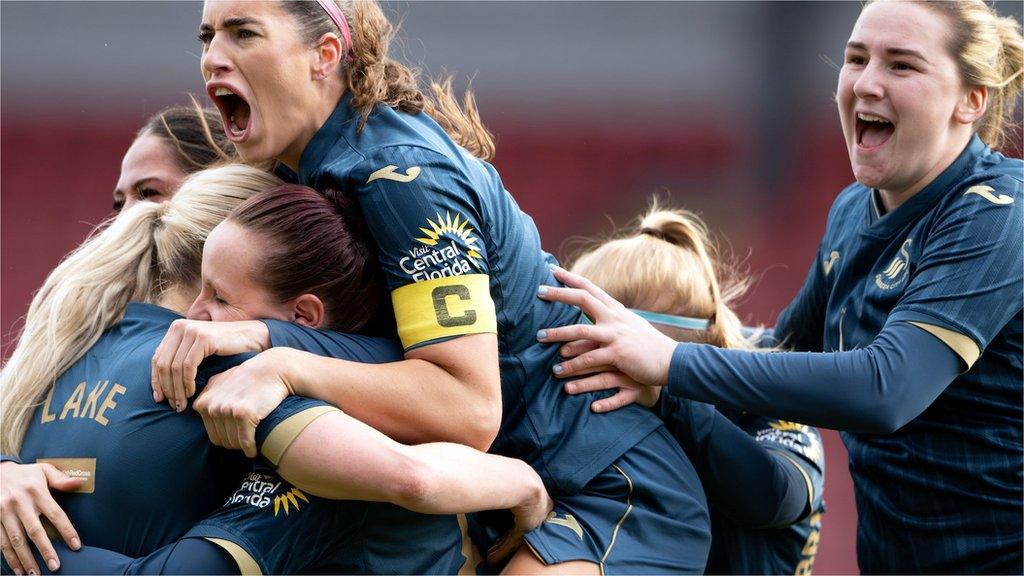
(873, 131)
(234, 111)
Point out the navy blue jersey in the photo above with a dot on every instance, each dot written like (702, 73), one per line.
(151, 473)
(272, 527)
(100, 422)
(944, 492)
(460, 258)
(790, 549)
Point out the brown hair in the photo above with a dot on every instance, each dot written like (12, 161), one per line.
(667, 264)
(375, 78)
(195, 134)
(990, 52)
(318, 244)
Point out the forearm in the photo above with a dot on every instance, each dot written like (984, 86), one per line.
(743, 479)
(412, 401)
(877, 389)
(340, 458)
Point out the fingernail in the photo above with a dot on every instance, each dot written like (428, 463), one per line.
(53, 564)
(552, 265)
(75, 544)
(558, 369)
(542, 291)
(178, 406)
(156, 397)
(542, 334)
(570, 388)
(32, 573)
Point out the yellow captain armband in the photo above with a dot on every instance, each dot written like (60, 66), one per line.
(444, 307)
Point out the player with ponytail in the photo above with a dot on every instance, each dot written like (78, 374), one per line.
(909, 321)
(763, 476)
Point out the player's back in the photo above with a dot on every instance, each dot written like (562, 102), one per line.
(152, 472)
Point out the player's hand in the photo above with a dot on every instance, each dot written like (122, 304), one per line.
(527, 516)
(188, 342)
(24, 497)
(617, 339)
(235, 402)
(627, 392)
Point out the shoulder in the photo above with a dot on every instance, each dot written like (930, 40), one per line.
(990, 196)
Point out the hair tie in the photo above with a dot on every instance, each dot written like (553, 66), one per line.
(339, 20)
(654, 232)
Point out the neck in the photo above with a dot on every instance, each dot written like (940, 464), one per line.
(177, 298)
(893, 199)
(327, 101)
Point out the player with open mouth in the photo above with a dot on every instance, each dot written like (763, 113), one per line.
(909, 321)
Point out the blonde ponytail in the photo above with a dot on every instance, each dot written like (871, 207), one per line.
(667, 264)
(146, 250)
(85, 295)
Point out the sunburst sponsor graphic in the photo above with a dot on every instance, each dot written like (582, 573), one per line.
(288, 500)
(448, 247)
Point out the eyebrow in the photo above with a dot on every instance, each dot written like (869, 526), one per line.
(231, 23)
(890, 51)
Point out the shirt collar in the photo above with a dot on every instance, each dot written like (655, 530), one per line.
(320, 145)
(894, 221)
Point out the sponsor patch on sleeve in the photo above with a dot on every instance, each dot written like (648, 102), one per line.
(444, 307)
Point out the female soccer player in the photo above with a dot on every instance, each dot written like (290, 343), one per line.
(100, 409)
(174, 143)
(912, 311)
(311, 85)
(763, 476)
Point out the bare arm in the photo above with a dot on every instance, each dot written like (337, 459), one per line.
(443, 392)
(448, 392)
(338, 457)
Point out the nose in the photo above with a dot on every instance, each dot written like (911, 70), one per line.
(215, 58)
(869, 84)
(198, 310)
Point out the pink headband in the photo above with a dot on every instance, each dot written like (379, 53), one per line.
(339, 20)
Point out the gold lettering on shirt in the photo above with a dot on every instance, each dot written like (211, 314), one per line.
(109, 403)
(74, 402)
(47, 416)
(89, 411)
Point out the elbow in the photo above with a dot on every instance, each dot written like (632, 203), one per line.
(886, 418)
(481, 427)
(414, 488)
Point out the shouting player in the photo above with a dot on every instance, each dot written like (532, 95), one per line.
(912, 310)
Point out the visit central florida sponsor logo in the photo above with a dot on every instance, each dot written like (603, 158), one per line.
(261, 490)
(448, 247)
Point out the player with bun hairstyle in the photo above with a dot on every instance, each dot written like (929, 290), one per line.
(911, 314)
(312, 85)
(764, 477)
(174, 143)
(100, 409)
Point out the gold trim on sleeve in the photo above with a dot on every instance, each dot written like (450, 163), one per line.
(963, 346)
(282, 436)
(246, 563)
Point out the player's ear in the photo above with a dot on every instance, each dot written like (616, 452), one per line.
(972, 105)
(308, 310)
